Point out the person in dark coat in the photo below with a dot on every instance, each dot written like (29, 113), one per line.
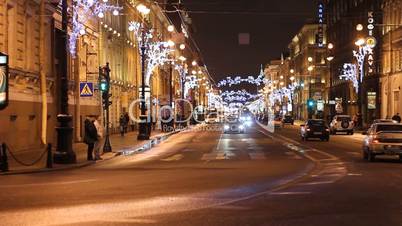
(122, 122)
(127, 121)
(91, 136)
(397, 118)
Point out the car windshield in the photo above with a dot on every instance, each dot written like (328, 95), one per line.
(232, 119)
(343, 118)
(389, 128)
(316, 123)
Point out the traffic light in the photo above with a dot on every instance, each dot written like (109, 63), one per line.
(310, 103)
(103, 81)
(106, 99)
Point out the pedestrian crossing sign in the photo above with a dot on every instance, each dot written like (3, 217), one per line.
(86, 89)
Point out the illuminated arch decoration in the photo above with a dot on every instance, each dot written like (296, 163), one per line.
(81, 11)
(238, 96)
(258, 80)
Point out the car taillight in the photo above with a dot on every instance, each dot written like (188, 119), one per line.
(376, 141)
(308, 129)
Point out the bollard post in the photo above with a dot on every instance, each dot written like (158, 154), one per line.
(4, 160)
(49, 161)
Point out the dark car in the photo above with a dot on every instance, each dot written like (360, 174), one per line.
(314, 128)
(288, 119)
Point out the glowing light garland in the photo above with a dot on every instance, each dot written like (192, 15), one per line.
(238, 96)
(259, 80)
(157, 53)
(349, 72)
(81, 11)
(360, 56)
(279, 94)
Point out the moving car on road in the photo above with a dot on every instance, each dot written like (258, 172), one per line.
(288, 119)
(233, 125)
(383, 139)
(342, 123)
(314, 128)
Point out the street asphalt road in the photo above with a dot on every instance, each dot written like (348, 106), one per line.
(205, 177)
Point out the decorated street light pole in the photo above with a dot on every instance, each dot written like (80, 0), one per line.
(64, 153)
(143, 127)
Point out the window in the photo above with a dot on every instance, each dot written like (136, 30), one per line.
(11, 32)
(30, 40)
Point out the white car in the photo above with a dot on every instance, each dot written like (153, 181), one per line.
(383, 139)
(342, 123)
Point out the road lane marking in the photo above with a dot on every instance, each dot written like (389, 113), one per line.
(355, 174)
(176, 157)
(317, 183)
(47, 184)
(291, 193)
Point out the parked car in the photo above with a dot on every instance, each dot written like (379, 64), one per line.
(233, 125)
(383, 139)
(342, 123)
(288, 119)
(314, 128)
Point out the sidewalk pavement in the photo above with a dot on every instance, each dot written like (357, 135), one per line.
(118, 143)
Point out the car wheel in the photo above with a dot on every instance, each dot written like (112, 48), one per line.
(351, 133)
(370, 156)
(365, 155)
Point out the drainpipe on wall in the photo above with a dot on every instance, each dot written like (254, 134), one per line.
(43, 88)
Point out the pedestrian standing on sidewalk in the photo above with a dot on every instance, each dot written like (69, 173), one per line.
(90, 136)
(122, 122)
(126, 120)
(99, 142)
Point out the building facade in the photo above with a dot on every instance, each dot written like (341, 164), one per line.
(30, 35)
(391, 64)
(347, 22)
(309, 68)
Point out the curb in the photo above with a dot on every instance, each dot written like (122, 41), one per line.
(157, 139)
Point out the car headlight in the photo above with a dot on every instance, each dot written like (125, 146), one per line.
(248, 123)
(241, 127)
(226, 127)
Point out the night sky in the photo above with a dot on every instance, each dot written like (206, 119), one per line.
(271, 25)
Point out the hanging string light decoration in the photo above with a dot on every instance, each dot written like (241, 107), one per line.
(157, 52)
(360, 56)
(81, 12)
(349, 72)
(238, 96)
(255, 80)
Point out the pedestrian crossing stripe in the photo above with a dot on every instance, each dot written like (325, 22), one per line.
(86, 89)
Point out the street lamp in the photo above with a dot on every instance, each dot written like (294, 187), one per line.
(360, 42)
(144, 129)
(170, 28)
(64, 153)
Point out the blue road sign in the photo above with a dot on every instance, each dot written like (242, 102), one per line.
(86, 89)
